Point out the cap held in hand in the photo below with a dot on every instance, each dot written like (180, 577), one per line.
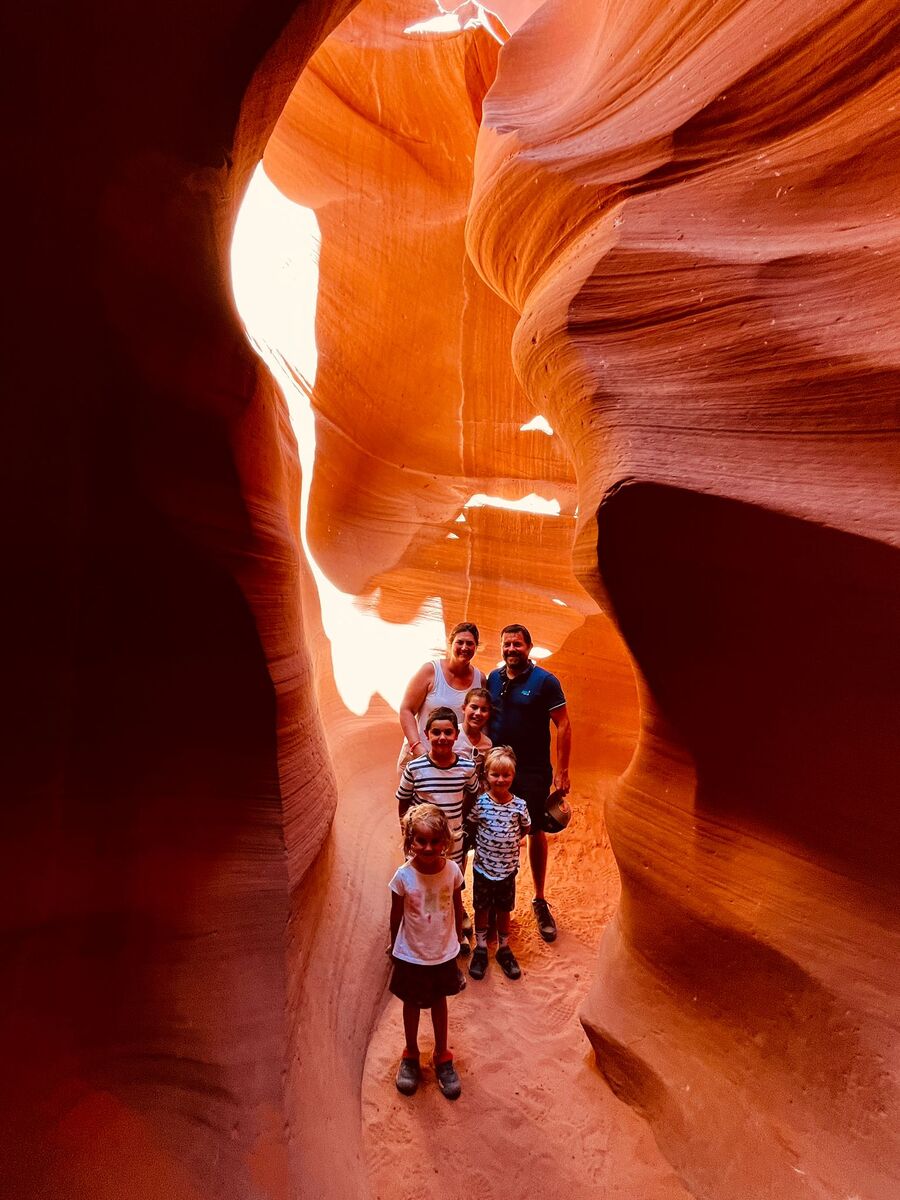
(557, 812)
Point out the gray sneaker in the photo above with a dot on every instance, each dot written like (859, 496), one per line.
(409, 1074)
(448, 1080)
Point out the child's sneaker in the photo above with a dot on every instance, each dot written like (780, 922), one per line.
(408, 1075)
(508, 964)
(448, 1080)
(478, 965)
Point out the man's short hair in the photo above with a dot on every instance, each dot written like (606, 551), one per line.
(517, 629)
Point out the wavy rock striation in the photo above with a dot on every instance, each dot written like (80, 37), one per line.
(691, 207)
(704, 254)
(166, 784)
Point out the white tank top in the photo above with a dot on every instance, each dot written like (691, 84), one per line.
(441, 695)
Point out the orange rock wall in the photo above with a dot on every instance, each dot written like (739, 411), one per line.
(703, 253)
(422, 409)
(690, 208)
(155, 675)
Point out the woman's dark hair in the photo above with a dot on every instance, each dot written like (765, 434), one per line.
(465, 627)
(442, 714)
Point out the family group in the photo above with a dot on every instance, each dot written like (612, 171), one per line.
(475, 771)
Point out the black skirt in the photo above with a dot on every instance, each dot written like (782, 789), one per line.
(414, 983)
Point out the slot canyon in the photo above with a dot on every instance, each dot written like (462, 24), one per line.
(588, 322)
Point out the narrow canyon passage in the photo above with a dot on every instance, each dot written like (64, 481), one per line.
(475, 447)
(535, 1116)
(606, 340)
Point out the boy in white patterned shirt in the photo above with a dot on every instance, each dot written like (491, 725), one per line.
(501, 821)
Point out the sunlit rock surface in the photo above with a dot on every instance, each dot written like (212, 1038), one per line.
(421, 412)
(704, 253)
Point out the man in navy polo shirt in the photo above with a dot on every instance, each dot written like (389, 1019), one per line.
(526, 698)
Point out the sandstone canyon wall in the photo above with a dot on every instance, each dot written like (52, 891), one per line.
(421, 410)
(155, 667)
(685, 216)
(704, 254)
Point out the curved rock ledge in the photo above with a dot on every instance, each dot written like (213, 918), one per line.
(704, 241)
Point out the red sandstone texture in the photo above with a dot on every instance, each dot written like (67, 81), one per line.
(691, 208)
(155, 670)
(704, 256)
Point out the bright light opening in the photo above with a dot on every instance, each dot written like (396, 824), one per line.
(561, 603)
(275, 279)
(468, 15)
(537, 425)
(531, 503)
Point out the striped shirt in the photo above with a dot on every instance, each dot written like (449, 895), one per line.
(423, 782)
(499, 828)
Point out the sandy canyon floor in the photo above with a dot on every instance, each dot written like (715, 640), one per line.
(536, 1117)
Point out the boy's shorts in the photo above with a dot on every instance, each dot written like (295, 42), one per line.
(498, 894)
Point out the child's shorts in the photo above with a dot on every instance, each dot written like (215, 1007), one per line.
(415, 983)
(498, 894)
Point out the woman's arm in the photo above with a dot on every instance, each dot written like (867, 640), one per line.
(410, 705)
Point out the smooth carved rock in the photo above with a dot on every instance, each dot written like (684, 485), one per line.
(165, 781)
(423, 409)
(704, 256)
(414, 411)
(692, 209)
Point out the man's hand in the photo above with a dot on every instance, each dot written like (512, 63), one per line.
(561, 782)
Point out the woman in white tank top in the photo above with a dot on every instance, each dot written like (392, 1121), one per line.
(441, 683)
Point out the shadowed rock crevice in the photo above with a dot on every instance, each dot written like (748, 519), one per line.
(768, 646)
(756, 839)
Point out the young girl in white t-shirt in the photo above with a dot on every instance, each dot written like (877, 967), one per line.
(426, 927)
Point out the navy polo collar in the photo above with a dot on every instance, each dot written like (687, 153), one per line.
(515, 678)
